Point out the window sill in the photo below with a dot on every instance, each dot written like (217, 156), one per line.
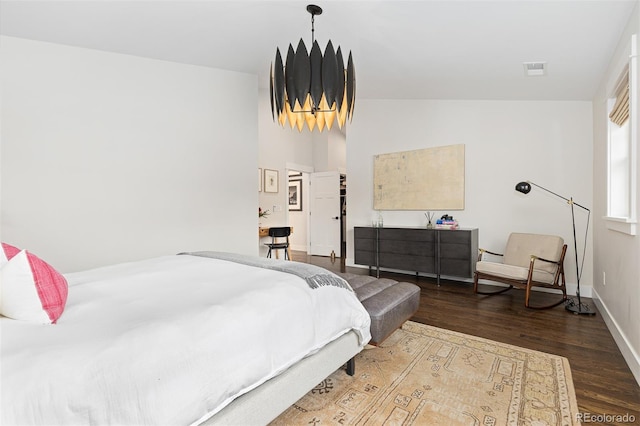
(626, 226)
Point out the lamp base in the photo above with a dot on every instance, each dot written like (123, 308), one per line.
(578, 308)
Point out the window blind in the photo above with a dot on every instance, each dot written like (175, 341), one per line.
(620, 111)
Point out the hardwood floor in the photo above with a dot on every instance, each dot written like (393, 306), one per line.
(604, 383)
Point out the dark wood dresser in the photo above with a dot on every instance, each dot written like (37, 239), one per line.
(430, 251)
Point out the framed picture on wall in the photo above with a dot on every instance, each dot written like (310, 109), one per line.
(259, 179)
(270, 180)
(295, 195)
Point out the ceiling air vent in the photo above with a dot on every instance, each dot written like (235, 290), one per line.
(535, 69)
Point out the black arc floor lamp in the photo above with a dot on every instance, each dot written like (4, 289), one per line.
(571, 305)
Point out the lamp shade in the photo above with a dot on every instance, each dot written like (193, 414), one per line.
(524, 187)
(312, 88)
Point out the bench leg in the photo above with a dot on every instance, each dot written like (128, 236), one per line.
(351, 366)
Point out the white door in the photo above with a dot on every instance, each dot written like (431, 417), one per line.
(324, 213)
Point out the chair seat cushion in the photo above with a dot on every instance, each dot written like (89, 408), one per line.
(521, 246)
(278, 245)
(513, 272)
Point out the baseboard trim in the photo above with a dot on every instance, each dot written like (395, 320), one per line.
(630, 355)
(585, 290)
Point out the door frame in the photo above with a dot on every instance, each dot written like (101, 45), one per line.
(304, 169)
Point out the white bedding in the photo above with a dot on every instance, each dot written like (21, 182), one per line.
(169, 340)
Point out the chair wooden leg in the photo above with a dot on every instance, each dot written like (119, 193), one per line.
(489, 293)
(475, 287)
(527, 299)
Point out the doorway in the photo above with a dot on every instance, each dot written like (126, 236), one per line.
(298, 209)
(317, 209)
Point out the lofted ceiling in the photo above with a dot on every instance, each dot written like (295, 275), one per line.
(446, 49)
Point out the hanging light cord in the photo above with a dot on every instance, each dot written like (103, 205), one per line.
(314, 108)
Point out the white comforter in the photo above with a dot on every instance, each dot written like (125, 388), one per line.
(169, 340)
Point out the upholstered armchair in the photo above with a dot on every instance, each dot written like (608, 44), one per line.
(529, 260)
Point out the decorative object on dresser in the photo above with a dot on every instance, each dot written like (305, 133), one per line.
(429, 216)
(447, 222)
(431, 251)
(529, 260)
(571, 306)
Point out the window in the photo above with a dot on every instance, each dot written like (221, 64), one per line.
(622, 125)
(619, 152)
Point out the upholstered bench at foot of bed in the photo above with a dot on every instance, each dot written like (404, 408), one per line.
(389, 303)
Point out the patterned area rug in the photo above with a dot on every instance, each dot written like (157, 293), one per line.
(423, 375)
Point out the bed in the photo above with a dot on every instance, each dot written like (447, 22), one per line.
(186, 339)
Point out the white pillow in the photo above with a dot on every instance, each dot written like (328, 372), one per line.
(7, 251)
(31, 289)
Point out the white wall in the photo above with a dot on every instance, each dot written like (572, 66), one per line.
(330, 150)
(549, 143)
(616, 253)
(337, 147)
(277, 147)
(109, 158)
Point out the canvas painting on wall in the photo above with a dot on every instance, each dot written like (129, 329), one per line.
(424, 179)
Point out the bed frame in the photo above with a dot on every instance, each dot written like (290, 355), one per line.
(266, 402)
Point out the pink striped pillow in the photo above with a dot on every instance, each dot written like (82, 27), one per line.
(7, 252)
(31, 289)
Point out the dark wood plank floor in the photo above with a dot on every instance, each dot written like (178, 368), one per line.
(604, 383)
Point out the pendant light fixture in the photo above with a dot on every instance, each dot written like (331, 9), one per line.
(312, 88)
